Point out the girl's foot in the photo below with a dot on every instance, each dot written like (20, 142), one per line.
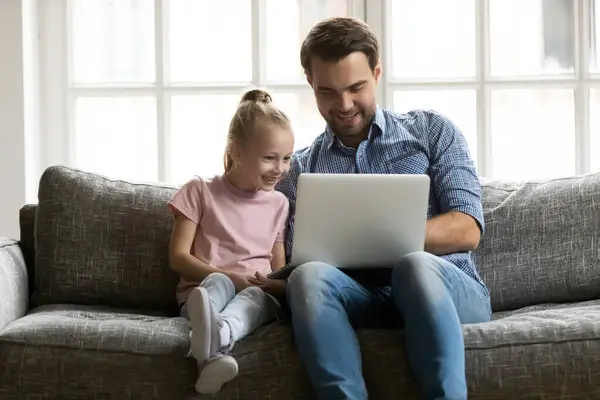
(215, 373)
(209, 332)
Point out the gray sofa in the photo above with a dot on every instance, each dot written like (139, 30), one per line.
(88, 310)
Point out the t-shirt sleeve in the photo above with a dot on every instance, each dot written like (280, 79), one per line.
(188, 200)
(283, 219)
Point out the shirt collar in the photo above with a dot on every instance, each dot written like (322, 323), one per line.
(377, 128)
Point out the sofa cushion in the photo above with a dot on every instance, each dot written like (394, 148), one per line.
(541, 241)
(536, 352)
(63, 351)
(102, 241)
(101, 328)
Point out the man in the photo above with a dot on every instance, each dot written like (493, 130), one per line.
(433, 292)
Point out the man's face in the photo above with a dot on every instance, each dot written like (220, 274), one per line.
(345, 94)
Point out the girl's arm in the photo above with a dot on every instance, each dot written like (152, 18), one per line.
(180, 258)
(278, 253)
(273, 286)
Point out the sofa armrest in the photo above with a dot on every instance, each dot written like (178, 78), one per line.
(14, 288)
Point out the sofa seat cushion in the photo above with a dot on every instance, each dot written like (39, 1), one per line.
(548, 351)
(534, 352)
(101, 329)
(75, 352)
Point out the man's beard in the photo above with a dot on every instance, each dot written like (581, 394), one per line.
(351, 131)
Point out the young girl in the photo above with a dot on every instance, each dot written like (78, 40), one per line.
(228, 235)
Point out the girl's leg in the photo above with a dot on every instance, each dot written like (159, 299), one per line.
(220, 290)
(203, 307)
(249, 309)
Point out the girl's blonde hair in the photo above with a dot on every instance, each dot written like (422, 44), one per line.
(254, 112)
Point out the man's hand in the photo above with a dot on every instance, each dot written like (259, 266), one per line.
(239, 281)
(271, 286)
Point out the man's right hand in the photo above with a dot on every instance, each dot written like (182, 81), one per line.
(239, 281)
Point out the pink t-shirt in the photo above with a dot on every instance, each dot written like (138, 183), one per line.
(236, 229)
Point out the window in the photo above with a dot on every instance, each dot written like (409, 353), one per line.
(520, 78)
(144, 89)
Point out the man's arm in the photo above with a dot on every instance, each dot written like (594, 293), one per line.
(456, 186)
(451, 232)
(287, 186)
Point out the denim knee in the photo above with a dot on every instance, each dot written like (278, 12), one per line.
(308, 283)
(415, 266)
(418, 272)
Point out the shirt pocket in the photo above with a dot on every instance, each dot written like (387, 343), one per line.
(411, 162)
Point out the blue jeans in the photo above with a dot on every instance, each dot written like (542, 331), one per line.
(433, 298)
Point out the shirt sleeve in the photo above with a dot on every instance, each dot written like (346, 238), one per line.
(283, 221)
(453, 175)
(287, 186)
(188, 200)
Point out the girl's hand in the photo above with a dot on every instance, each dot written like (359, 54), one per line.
(271, 286)
(239, 281)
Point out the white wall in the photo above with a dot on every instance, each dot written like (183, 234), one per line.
(19, 111)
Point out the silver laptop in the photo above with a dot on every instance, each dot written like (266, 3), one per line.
(358, 220)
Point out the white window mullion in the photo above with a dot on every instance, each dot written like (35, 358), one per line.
(54, 79)
(162, 103)
(582, 95)
(167, 91)
(259, 58)
(71, 98)
(358, 9)
(375, 18)
(484, 95)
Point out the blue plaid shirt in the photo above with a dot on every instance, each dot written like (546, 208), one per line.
(418, 142)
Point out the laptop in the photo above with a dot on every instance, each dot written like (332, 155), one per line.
(358, 220)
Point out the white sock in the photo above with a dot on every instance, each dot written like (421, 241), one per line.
(225, 334)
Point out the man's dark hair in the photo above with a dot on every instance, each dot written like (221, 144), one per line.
(335, 38)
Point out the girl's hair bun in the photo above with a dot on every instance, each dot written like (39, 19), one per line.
(257, 95)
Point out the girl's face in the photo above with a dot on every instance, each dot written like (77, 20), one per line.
(265, 158)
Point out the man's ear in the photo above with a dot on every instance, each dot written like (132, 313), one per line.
(308, 77)
(377, 71)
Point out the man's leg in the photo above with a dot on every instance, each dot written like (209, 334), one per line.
(324, 302)
(435, 298)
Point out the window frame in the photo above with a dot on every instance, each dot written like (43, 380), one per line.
(378, 16)
(59, 94)
(57, 106)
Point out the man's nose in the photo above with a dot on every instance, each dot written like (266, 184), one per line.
(346, 102)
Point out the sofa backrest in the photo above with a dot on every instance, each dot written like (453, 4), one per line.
(26, 241)
(102, 241)
(541, 243)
